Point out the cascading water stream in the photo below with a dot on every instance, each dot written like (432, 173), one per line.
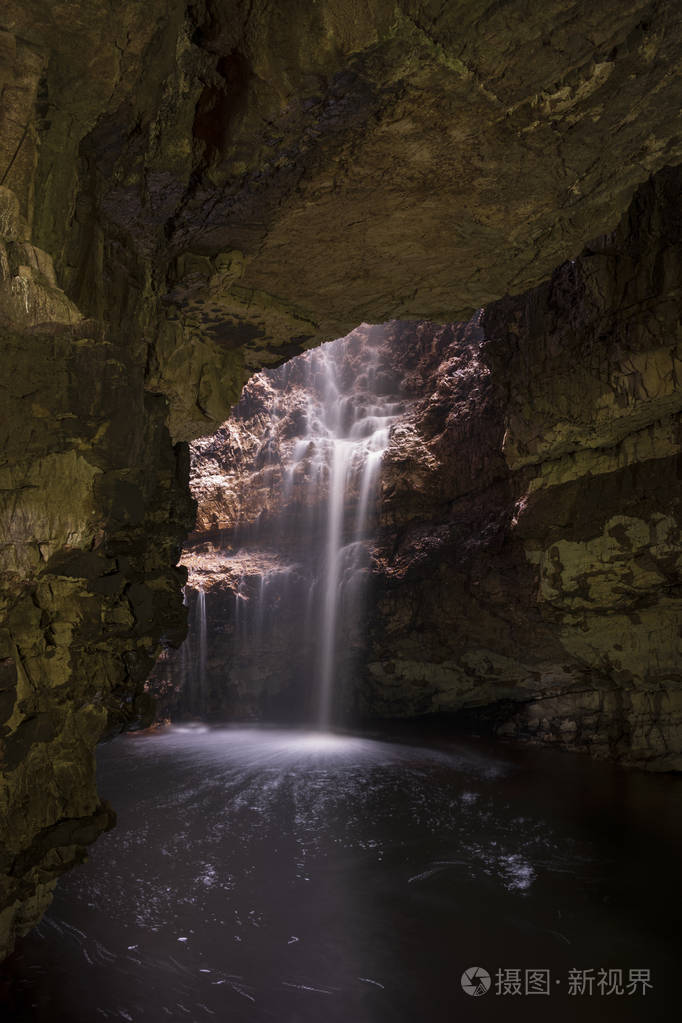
(337, 480)
(300, 567)
(203, 648)
(353, 439)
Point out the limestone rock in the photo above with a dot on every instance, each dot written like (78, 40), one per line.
(527, 567)
(238, 182)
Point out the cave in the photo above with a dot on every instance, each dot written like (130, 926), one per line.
(340, 497)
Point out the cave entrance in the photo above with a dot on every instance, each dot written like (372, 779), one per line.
(289, 515)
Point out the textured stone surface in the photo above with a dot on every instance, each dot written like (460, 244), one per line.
(238, 181)
(93, 502)
(537, 563)
(220, 185)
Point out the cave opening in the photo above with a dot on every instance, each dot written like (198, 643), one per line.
(287, 540)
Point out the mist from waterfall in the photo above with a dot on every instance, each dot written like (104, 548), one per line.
(300, 568)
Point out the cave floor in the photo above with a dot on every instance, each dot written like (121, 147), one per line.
(270, 874)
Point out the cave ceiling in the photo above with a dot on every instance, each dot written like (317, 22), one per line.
(274, 174)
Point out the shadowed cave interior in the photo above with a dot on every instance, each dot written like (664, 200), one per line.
(340, 627)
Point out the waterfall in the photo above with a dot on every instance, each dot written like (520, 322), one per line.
(189, 668)
(351, 436)
(331, 579)
(297, 561)
(203, 645)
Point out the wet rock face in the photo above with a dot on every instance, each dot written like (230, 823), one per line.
(189, 192)
(525, 569)
(94, 500)
(531, 553)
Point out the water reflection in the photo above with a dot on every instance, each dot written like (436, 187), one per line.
(302, 876)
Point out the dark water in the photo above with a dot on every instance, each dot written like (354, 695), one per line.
(271, 875)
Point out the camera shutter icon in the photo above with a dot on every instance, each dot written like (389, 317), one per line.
(475, 981)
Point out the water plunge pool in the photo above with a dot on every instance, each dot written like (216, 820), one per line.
(265, 874)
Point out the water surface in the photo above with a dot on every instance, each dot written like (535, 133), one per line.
(260, 875)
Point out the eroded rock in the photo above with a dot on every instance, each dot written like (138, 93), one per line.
(218, 186)
(548, 584)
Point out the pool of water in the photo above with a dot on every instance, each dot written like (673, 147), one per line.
(271, 875)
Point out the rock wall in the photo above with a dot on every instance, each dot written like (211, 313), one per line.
(93, 505)
(239, 181)
(531, 556)
(193, 191)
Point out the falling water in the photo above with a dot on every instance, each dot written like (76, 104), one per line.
(350, 436)
(300, 571)
(203, 645)
(189, 672)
